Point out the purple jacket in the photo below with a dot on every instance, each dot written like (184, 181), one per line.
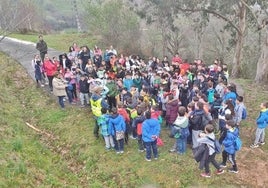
(172, 111)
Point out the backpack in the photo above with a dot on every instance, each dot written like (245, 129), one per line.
(244, 113)
(237, 143)
(217, 145)
(211, 95)
(204, 121)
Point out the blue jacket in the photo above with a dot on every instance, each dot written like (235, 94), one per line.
(230, 95)
(150, 127)
(116, 123)
(229, 140)
(262, 120)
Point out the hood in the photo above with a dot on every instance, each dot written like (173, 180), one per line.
(95, 97)
(199, 112)
(181, 122)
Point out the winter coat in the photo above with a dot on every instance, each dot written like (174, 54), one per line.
(113, 91)
(103, 122)
(262, 120)
(150, 127)
(84, 86)
(116, 123)
(229, 140)
(59, 86)
(123, 112)
(49, 67)
(208, 142)
(172, 111)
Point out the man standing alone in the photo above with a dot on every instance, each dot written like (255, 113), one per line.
(41, 46)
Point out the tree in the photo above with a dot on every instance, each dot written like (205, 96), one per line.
(15, 15)
(115, 23)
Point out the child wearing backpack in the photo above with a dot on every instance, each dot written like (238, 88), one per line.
(230, 146)
(261, 122)
(102, 121)
(181, 131)
(206, 142)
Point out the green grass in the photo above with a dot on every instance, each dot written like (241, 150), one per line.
(71, 157)
(60, 41)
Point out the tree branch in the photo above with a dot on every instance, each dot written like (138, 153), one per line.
(215, 14)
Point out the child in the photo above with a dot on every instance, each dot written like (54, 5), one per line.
(137, 126)
(117, 128)
(123, 112)
(103, 123)
(205, 141)
(229, 146)
(181, 125)
(150, 133)
(261, 122)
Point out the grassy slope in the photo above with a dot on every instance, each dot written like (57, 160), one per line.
(73, 157)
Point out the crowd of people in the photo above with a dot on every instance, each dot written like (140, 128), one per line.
(131, 97)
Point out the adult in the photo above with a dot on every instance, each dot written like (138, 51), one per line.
(50, 68)
(97, 103)
(41, 46)
(59, 85)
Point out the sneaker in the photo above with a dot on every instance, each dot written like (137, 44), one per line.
(133, 138)
(205, 175)
(172, 150)
(148, 159)
(155, 158)
(42, 85)
(141, 150)
(82, 106)
(121, 152)
(117, 152)
(222, 165)
(254, 145)
(233, 171)
(262, 143)
(220, 171)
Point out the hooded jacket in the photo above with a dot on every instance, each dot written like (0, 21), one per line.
(262, 120)
(150, 127)
(229, 140)
(116, 123)
(172, 111)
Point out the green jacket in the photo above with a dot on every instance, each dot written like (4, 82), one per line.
(113, 91)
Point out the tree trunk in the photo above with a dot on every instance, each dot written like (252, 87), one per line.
(262, 66)
(239, 43)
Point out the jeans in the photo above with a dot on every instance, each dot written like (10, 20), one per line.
(149, 147)
(61, 101)
(181, 145)
(69, 94)
(260, 135)
(140, 142)
(118, 144)
(84, 98)
(109, 141)
(96, 128)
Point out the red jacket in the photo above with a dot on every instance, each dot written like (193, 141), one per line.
(123, 112)
(49, 67)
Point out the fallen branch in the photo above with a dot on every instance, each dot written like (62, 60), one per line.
(38, 130)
